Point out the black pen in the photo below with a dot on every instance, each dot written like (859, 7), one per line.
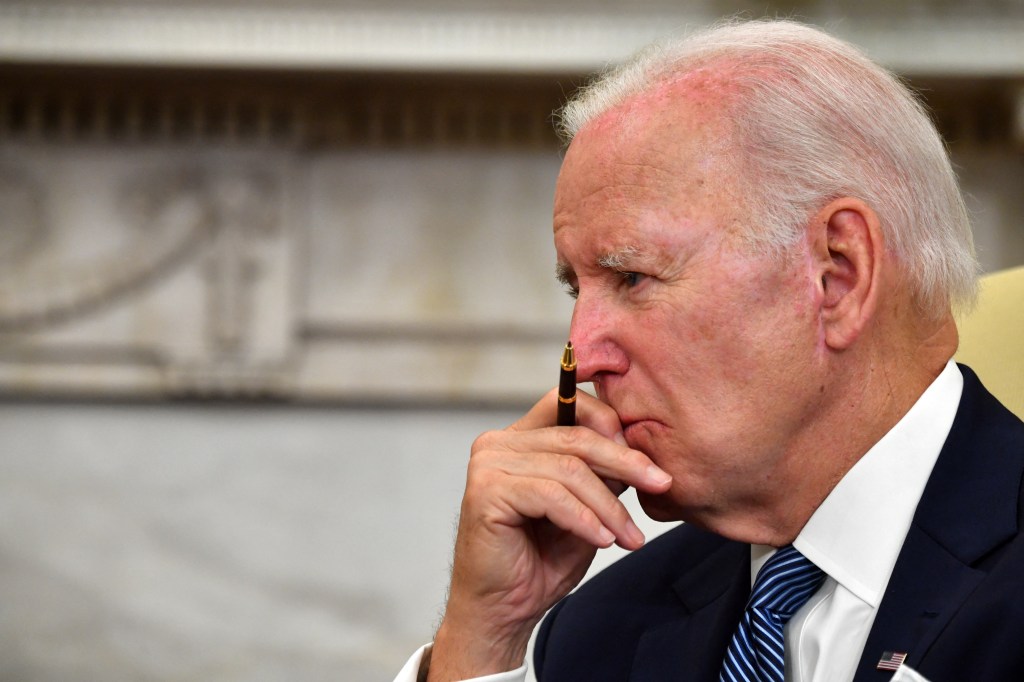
(567, 388)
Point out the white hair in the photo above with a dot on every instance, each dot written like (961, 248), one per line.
(817, 120)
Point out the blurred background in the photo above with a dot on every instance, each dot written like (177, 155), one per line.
(266, 270)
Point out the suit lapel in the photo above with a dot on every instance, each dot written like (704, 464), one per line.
(969, 507)
(922, 596)
(713, 593)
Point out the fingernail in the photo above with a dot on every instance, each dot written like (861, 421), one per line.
(606, 536)
(656, 476)
(620, 439)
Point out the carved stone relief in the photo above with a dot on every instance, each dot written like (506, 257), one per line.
(164, 271)
(155, 270)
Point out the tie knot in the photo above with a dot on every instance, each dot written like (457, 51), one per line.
(785, 583)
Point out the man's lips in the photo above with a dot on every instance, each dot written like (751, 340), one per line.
(634, 421)
(633, 424)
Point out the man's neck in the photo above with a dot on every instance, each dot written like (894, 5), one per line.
(863, 403)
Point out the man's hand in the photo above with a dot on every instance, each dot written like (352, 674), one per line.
(539, 502)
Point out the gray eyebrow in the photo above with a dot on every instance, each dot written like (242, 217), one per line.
(615, 260)
(619, 259)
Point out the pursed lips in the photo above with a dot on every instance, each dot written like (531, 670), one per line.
(631, 422)
(631, 425)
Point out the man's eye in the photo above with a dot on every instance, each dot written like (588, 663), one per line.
(631, 279)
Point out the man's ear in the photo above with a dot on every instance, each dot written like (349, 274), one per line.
(848, 248)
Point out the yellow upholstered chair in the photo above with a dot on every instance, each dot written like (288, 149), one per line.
(992, 337)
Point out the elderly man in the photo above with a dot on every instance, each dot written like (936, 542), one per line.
(765, 241)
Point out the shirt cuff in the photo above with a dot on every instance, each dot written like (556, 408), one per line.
(415, 670)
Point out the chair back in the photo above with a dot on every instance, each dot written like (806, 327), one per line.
(992, 337)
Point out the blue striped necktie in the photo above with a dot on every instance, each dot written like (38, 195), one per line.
(783, 585)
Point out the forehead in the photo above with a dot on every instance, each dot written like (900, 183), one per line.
(699, 99)
(651, 164)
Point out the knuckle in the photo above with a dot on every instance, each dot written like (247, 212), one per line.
(585, 516)
(628, 458)
(485, 441)
(618, 512)
(569, 439)
(551, 490)
(570, 467)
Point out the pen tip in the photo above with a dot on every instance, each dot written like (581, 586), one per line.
(568, 357)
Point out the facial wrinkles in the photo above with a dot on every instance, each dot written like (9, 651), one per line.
(624, 176)
(639, 200)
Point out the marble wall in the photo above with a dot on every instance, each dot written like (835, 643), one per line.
(227, 543)
(224, 543)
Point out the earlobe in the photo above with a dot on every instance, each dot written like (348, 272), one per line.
(848, 250)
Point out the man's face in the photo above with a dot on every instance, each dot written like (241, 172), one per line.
(710, 355)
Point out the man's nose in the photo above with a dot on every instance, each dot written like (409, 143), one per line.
(595, 337)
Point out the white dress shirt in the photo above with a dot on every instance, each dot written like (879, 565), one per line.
(855, 537)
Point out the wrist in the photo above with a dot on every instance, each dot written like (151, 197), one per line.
(466, 650)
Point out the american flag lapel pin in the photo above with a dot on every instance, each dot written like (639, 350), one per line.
(891, 660)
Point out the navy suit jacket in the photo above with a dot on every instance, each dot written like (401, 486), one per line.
(954, 603)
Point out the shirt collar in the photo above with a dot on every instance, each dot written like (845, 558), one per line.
(872, 507)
